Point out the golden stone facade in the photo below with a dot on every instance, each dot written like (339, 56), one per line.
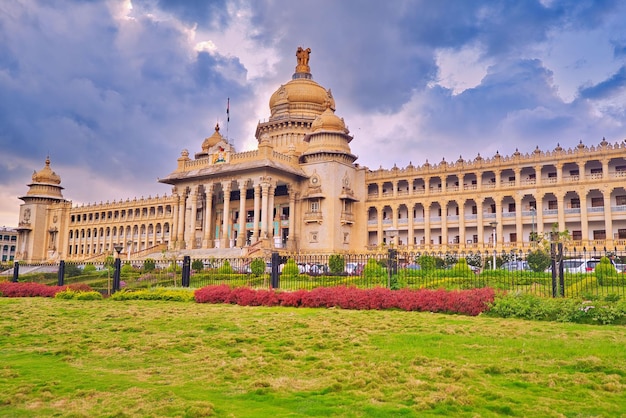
(301, 190)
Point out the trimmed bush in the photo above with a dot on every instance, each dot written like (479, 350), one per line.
(291, 269)
(336, 263)
(78, 295)
(159, 293)
(257, 267)
(606, 273)
(467, 302)
(225, 268)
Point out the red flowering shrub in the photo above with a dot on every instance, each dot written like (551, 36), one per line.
(28, 289)
(213, 294)
(467, 302)
(293, 299)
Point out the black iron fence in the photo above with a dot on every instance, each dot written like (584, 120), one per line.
(550, 273)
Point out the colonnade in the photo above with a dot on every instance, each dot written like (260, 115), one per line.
(204, 214)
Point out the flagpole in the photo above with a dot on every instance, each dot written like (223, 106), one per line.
(227, 118)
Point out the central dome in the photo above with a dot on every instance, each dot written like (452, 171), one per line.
(301, 96)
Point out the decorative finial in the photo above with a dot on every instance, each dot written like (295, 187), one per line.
(217, 127)
(302, 56)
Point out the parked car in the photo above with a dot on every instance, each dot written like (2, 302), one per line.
(413, 266)
(354, 269)
(515, 266)
(579, 265)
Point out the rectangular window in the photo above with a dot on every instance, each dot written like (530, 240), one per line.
(315, 205)
(620, 168)
(474, 210)
(574, 172)
(511, 207)
(597, 202)
(552, 204)
(532, 176)
(513, 237)
(552, 175)
(512, 178)
(575, 203)
(621, 234)
(599, 234)
(577, 235)
(620, 200)
(596, 171)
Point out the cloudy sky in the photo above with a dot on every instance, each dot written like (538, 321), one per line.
(113, 90)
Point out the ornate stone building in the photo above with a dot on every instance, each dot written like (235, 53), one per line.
(301, 190)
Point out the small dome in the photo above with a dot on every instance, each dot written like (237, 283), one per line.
(213, 139)
(46, 175)
(328, 121)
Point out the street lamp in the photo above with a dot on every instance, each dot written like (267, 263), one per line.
(118, 267)
(493, 239)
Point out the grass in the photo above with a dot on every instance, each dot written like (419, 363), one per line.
(151, 358)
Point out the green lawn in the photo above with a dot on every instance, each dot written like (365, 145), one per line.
(151, 358)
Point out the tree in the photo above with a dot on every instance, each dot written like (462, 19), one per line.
(257, 267)
(538, 260)
(427, 262)
(148, 265)
(197, 265)
(336, 263)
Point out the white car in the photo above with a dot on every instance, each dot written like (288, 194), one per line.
(579, 265)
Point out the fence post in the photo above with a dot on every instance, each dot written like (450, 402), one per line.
(116, 274)
(275, 281)
(553, 267)
(61, 273)
(186, 271)
(561, 272)
(392, 265)
(16, 271)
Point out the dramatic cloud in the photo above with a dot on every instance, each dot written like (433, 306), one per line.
(114, 90)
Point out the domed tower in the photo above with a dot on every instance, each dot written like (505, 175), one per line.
(41, 216)
(294, 107)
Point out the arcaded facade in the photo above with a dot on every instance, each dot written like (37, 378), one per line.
(301, 190)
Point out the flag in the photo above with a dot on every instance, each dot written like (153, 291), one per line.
(228, 110)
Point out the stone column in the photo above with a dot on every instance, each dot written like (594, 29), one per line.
(537, 175)
(292, 218)
(180, 234)
(427, 224)
(191, 229)
(560, 205)
(207, 242)
(539, 213)
(519, 226)
(270, 211)
(444, 223)
(461, 204)
(608, 221)
(480, 227)
(411, 231)
(241, 237)
(379, 230)
(257, 213)
(225, 236)
(499, 227)
(584, 220)
(264, 208)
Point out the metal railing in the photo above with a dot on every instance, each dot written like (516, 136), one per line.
(554, 273)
